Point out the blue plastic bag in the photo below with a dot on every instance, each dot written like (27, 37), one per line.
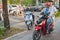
(47, 11)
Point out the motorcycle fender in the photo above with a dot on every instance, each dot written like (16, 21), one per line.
(37, 28)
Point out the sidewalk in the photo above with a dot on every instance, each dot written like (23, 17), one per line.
(26, 35)
(17, 22)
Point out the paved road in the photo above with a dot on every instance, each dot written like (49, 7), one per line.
(28, 34)
(19, 21)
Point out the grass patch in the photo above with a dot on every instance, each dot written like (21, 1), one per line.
(1, 28)
(11, 32)
(58, 14)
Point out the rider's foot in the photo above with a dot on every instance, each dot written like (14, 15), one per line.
(47, 31)
(52, 29)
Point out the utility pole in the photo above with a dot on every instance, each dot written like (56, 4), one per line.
(41, 1)
(5, 14)
(37, 2)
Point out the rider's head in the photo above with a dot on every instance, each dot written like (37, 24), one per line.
(52, 2)
(48, 4)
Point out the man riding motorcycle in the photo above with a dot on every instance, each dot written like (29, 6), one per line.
(50, 10)
(44, 24)
(29, 20)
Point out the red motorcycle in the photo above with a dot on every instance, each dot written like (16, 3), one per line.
(41, 28)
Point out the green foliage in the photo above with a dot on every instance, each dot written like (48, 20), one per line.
(28, 2)
(23, 2)
(1, 30)
(45, 0)
(0, 0)
(14, 1)
(58, 14)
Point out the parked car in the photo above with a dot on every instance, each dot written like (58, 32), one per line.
(10, 9)
(14, 9)
(38, 8)
(17, 9)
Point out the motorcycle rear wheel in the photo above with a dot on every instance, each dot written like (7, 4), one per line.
(50, 30)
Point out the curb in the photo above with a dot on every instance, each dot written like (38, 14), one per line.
(57, 18)
(15, 35)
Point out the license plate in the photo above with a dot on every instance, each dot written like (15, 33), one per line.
(28, 22)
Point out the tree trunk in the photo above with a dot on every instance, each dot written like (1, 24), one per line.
(59, 5)
(37, 2)
(5, 14)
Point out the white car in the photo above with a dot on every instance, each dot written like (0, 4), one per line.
(15, 9)
(11, 10)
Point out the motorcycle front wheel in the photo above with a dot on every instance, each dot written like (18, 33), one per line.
(37, 35)
(28, 27)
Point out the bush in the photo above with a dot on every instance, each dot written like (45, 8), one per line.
(58, 14)
(1, 30)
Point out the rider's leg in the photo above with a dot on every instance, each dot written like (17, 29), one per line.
(48, 22)
(53, 20)
(33, 18)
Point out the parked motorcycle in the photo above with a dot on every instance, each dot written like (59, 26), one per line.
(40, 27)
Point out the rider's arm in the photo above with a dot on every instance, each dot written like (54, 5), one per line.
(55, 11)
(42, 10)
